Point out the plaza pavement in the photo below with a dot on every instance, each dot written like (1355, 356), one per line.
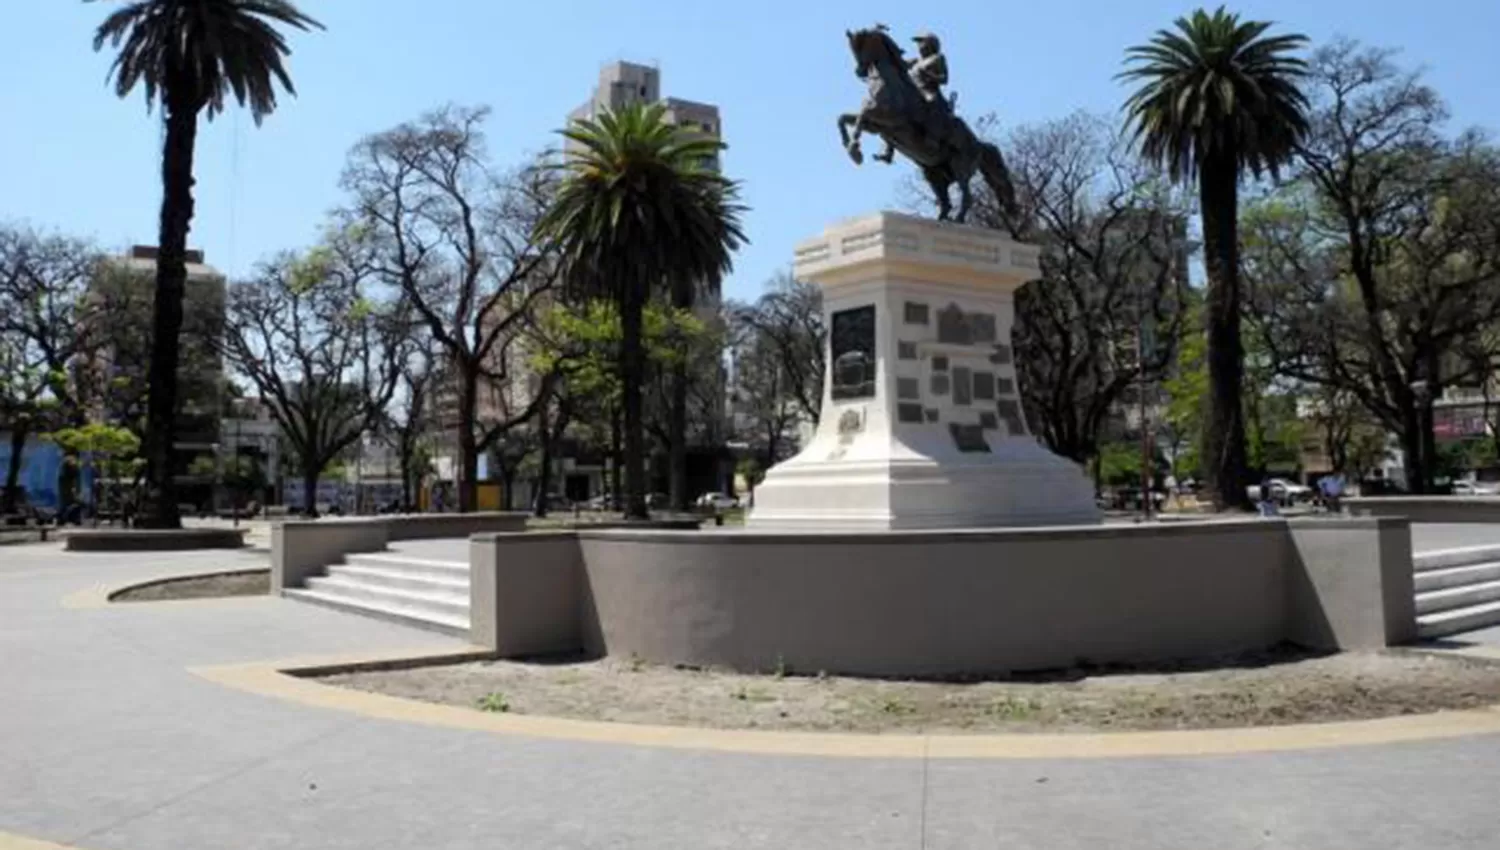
(108, 741)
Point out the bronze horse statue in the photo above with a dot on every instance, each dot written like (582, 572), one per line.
(926, 132)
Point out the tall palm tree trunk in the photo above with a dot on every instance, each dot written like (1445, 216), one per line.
(677, 486)
(160, 506)
(632, 367)
(617, 458)
(1224, 435)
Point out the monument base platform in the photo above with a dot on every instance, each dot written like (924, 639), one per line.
(1020, 485)
(922, 425)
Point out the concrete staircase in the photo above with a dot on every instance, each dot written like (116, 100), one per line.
(1458, 590)
(425, 593)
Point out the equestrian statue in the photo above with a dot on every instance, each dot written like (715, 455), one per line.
(906, 107)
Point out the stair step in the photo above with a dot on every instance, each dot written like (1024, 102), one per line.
(1461, 557)
(442, 604)
(1451, 598)
(404, 580)
(412, 566)
(1459, 620)
(420, 618)
(1427, 580)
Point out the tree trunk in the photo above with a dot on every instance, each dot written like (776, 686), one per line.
(632, 367)
(1411, 447)
(406, 476)
(543, 487)
(677, 452)
(508, 485)
(310, 492)
(617, 455)
(159, 508)
(1429, 443)
(12, 494)
(67, 485)
(1224, 433)
(468, 444)
(677, 473)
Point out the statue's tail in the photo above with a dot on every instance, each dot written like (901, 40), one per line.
(992, 166)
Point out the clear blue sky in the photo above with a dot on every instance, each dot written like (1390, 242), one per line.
(73, 157)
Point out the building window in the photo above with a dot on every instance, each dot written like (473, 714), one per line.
(906, 350)
(908, 388)
(915, 314)
(910, 414)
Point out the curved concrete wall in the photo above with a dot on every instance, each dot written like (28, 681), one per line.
(931, 603)
(901, 604)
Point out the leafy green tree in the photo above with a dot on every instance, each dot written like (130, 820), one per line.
(111, 452)
(1375, 272)
(639, 210)
(580, 344)
(321, 353)
(48, 331)
(1217, 98)
(189, 56)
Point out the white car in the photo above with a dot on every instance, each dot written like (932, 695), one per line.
(718, 501)
(1475, 488)
(1283, 491)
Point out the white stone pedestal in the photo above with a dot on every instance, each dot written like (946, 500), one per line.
(922, 425)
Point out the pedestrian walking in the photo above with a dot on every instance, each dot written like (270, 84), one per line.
(1267, 498)
(1332, 488)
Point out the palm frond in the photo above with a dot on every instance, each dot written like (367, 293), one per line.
(1216, 88)
(197, 54)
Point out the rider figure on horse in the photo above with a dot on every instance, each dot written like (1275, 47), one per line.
(929, 70)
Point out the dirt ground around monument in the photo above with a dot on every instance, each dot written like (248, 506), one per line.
(1274, 688)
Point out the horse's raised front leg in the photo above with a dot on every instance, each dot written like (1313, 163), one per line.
(888, 155)
(851, 142)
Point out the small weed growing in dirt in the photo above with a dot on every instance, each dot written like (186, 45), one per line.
(893, 705)
(1013, 708)
(780, 670)
(495, 703)
(637, 663)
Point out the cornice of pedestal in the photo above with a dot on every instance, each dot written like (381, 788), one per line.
(889, 244)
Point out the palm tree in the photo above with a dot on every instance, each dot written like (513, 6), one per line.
(1218, 98)
(189, 55)
(640, 209)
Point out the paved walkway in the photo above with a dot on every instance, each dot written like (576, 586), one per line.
(107, 741)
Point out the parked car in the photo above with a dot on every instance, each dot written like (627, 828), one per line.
(658, 500)
(1283, 492)
(1475, 488)
(718, 501)
(601, 502)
